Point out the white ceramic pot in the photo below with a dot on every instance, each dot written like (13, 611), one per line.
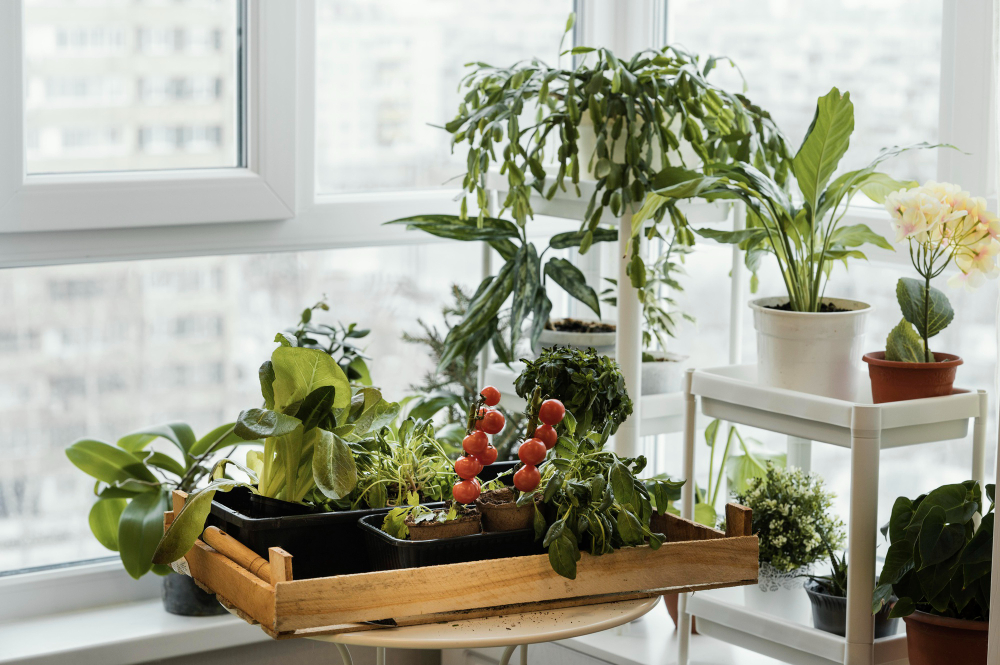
(779, 594)
(662, 376)
(817, 353)
(602, 342)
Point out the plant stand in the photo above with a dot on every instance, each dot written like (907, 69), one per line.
(732, 394)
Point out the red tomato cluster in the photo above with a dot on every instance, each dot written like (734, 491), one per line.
(532, 452)
(478, 450)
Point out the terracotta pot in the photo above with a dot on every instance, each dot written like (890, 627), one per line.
(464, 525)
(500, 513)
(894, 381)
(934, 640)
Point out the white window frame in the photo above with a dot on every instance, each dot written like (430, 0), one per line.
(272, 204)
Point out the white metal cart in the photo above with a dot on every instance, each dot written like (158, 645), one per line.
(732, 394)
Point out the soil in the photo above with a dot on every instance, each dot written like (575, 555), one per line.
(824, 308)
(579, 326)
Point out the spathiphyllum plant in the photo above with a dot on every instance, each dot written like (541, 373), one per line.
(803, 232)
(527, 121)
(942, 224)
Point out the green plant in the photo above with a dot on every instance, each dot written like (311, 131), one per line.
(334, 340)
(134, 485)
(941, 223)
(791, 517)
(589, 385)
(597, 502)
(940, 553)
(834, 584)
(640, 110)
(395, 525)
(659, 314)
(310, 415)
(804, 235)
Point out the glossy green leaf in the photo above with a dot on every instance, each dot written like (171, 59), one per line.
(180, 434)
(103, 519)
(262, 423)
(165, 462)
(140, 529)
(334, 469)
(299, 371)
(220, 437)
(877, 186)
(825, 143)
(574, 238)
(107, 463)
(189, 523)
(939, 541)
(573, 281)
(912, 295)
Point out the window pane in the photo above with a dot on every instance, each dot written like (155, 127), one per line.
(385, 69)
(887, 54)
(116, 85)
(99, 350)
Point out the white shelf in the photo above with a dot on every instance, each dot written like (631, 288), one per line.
(721, 615)
(661, 414)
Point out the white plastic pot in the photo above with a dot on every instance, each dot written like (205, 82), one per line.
(811, 352)
(602, 342)
(662, 376)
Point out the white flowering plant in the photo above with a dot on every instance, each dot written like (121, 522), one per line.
(942, 224)
(791, 517)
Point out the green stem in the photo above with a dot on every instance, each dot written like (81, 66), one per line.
(927, 316)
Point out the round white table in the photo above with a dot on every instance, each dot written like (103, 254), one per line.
(507, 631)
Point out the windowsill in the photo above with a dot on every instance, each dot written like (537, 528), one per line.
(120, 635)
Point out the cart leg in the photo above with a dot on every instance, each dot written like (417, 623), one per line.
(687, 509)
(979, 439)
(379, 655)
(799, 454)
(507, 652)
(345, 655)
(866, 425)
(524, 654)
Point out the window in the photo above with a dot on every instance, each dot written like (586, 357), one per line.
(374, 118)
(887, 54)
(102, 65)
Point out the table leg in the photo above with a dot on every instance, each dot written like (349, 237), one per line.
(345, 654)
(524, 654)
(379, 655)
(507, 652)
(866, 427)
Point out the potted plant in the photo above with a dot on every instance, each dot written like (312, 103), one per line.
(661, 369)
(639, 111)
(579, 334)
(806, 341)
(589, 385)
(133, 489)
(828, 595)
(417, 522)
(941, 224)
(938, 565)
(337, 341)
(792, 521)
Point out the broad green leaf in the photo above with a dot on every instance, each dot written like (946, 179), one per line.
(107, 463)
(877, 186)
(360, 367)
(904, 344)
(939, 541)
(189, 523)
(911, 294)
(898, 562)
(262, 423)
(857, 235)
(825, 143)
(103, 518)
(573, 281)
(564, 551)
(740, 469)
(317, 405)
(902, 513)
(904, 607)
(140, 529)
(882, 595)
(165, 462)
(220, 437)
(266, 376)
(705, 514)
(454, 227)
(334, 469)
(428, 406)
(180, 434)
(299, 371)
(574, 238)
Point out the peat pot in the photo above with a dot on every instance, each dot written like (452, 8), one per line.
(894, 381)
(500, 512)
(810, 352)
(934, 640)
(829, 613)
(182, 596)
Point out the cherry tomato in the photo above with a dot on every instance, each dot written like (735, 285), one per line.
(491, 395)
(466, 491)
(475, 443)
(467, 467)
(532, 452)
(492, 422)
(527, 478)
(488, 456)
(547, 435)
(480, 416)
(551, 412)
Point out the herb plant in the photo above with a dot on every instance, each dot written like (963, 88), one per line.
(804, 235)
(337, 341)
(134, 485)
(834, 584)
(589, 385)
(939, 560)
(395, 525)
(791, 517)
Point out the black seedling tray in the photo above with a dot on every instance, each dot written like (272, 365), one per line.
(493, 470)
(390, 553)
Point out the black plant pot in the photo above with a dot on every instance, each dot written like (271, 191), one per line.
(830, 613)
(182, 596)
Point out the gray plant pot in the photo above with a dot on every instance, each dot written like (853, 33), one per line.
(182, 596)
(830, 613)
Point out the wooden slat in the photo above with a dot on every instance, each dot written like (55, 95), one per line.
(373, 596)
(678, 529)
(232, 584)
(225, 544)
(178, 498)
(281, 565)
(739, 520)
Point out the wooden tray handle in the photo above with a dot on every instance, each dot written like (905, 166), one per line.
(739, 520)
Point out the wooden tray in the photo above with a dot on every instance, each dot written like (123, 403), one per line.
(694, 557)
